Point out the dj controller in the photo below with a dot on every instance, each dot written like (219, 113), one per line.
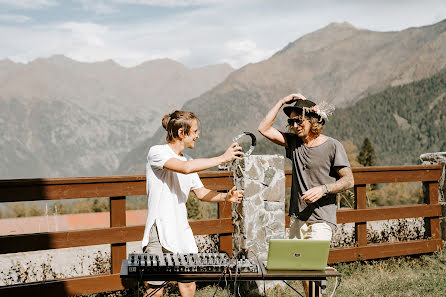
(167, 263)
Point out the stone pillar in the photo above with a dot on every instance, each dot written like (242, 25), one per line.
(261, 215)
(439, 158)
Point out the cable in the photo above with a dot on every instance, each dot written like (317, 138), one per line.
(227, 287)
(261, 270)
(218, 283)
(236, 273)
(336, 283)
(336, 286)
(293, 288)
(235, 165)
(139, 279)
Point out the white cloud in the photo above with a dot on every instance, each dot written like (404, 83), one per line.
(88, 34)
(170, 3)
(241, 52)
(236, 32)
(98, 6)
(14, 18)
(29, 4)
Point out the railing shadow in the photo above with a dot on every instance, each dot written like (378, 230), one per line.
(26, 190)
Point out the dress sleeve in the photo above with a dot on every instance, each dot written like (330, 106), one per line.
(157, 157)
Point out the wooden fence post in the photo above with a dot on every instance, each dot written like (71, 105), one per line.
(431, 225)
(225, 240)
(361, 227)
(117, 219)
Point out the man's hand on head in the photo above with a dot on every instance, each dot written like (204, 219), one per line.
(292, 98)
(313, 194)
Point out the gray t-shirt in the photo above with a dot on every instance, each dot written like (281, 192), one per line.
(312, 167)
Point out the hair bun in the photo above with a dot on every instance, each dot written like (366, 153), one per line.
(165, 120)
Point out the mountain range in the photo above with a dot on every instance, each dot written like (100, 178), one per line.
(339, 64)
(59, 117)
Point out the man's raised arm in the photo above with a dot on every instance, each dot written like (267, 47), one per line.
(266, 125)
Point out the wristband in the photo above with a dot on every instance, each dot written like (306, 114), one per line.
(326, 189)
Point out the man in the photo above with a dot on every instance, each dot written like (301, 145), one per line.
(171, 175)
(320, 167)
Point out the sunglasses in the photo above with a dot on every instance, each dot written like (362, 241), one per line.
(298, 121)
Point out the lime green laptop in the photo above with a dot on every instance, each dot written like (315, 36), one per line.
(297, 254)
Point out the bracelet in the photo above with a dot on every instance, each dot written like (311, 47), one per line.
(326, 189)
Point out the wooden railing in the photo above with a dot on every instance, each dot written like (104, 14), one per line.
(118, 187)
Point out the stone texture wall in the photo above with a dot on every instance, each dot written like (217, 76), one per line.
(261, 215)
(439, 158)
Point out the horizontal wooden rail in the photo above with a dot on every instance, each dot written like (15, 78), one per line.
(57, 240)
(384, 250)
(398, 174)
(387, 213)
(390, 174)
(92, 187)
(69, 286)
(383, 213)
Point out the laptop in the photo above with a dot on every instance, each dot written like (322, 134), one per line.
(297, 254)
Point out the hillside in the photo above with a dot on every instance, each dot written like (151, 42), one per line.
(401, 122)
(339, 64)
(106, 88)
(60, 117)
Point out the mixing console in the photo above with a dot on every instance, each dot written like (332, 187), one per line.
(189, 263)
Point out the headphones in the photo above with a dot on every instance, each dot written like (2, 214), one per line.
(253, 142)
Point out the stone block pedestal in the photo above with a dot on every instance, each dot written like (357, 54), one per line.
(261, 215)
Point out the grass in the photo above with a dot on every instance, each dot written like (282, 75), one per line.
(423, 275)
(402, 276)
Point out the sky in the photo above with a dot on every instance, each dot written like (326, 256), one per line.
(193, 32)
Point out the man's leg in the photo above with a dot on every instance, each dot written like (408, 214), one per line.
(153, 247)
(150, 290)
(318, 231)
(187, 289)
(296, 228)
(321, 231)
(303, 230)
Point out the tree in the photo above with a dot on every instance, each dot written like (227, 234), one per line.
(367, 155)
